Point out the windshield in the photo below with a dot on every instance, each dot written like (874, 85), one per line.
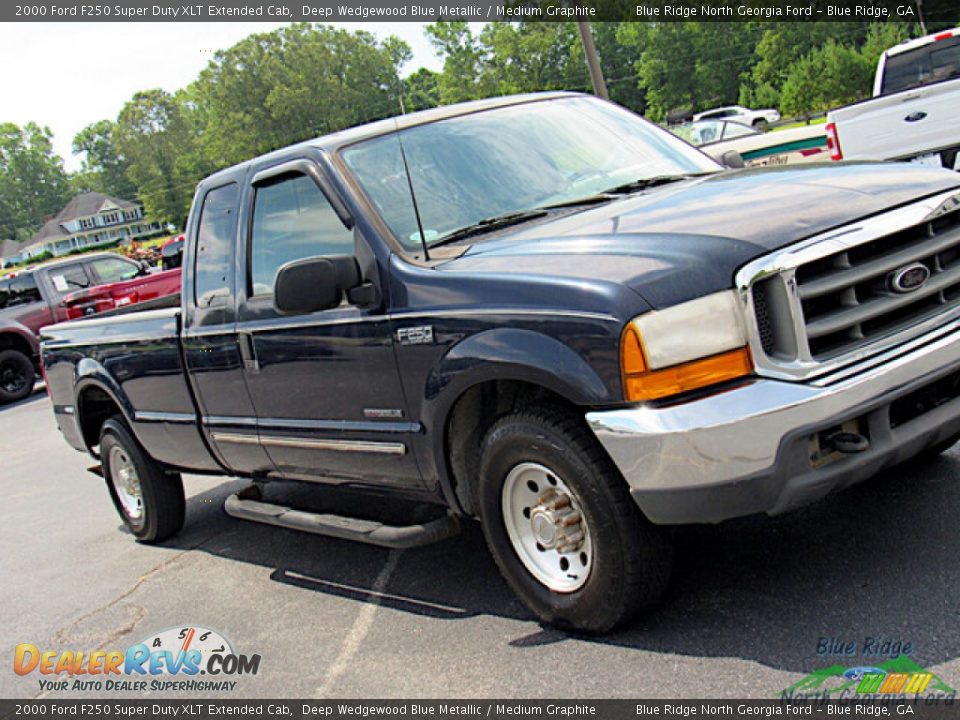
(512, 159)
(931, 63)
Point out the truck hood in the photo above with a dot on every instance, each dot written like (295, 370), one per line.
(682, 241)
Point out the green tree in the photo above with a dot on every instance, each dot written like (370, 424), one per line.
(156, 134)
(33, 184)
(104, 169)
(782, 46)
(421, 90)
(298, 82)
(691, 65)
(618, 60)
(464, 57)
(827, 77)
(532, 56)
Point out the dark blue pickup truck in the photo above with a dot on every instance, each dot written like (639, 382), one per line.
(542, 312)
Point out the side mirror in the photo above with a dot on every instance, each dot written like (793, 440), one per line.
(312, 284)
(732, 159)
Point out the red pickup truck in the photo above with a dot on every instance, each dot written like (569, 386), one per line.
(35, 297)
(129, 289)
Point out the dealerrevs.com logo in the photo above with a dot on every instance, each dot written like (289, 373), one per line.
(170, 660)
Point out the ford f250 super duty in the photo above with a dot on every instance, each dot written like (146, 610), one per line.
(542, 312)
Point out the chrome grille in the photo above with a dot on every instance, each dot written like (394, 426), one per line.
(847, 299)
(831, 301)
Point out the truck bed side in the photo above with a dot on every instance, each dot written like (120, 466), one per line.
(131, 364)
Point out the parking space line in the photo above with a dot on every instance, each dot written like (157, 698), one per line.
(361, 626)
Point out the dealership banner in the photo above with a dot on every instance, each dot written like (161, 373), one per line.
(481, 11)
(499, 709)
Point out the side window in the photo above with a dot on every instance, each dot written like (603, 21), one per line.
(292, 219)
(24, 290)
(5, 293)
(111, 270)
(69, 278)
(213, 271)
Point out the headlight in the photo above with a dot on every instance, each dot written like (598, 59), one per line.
(688, 346)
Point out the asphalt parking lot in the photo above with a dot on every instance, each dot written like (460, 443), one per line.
(750, 600)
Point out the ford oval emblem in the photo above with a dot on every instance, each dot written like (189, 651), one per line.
(909, 278)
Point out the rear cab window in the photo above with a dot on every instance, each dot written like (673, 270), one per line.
(213, 264)
(939, 60)
(66, 279)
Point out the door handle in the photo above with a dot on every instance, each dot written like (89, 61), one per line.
(247, 353)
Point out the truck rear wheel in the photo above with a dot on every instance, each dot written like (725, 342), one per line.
(149, 500)
(16, 376)
(562, 527)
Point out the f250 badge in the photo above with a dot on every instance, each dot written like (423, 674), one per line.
(416, 335)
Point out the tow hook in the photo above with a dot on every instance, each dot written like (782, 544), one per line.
(848, 443)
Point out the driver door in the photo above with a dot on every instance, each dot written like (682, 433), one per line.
(325, 386)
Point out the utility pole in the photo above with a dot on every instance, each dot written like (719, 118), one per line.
(593, 62)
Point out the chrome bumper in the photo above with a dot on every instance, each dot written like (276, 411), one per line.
(747, 450)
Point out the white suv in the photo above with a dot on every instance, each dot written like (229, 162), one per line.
(758, 119)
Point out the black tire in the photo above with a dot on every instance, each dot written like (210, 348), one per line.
(17, 376)
(163, 505)
(632, 559)
(761, 125)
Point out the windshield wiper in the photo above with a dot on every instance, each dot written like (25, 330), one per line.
(488, 225)
(588, 200)
(645, 183)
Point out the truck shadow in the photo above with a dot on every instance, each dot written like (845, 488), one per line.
(877, 561)
(36, 395)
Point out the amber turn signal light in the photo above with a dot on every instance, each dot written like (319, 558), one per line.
(641, 384)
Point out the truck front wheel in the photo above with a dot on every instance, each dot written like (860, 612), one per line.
(149, 500)
(562, 527)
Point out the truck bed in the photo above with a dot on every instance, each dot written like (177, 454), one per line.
(879, 128)
(138, 356)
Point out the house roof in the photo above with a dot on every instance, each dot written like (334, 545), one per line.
(82, 205)
(9, 249)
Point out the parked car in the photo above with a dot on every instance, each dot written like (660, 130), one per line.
(717, 138)
(913, 113)
(758, 119)
(544, 313)
(35, 297)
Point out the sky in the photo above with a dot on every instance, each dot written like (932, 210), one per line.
(67, 75)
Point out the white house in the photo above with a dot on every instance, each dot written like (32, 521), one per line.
(89, 220)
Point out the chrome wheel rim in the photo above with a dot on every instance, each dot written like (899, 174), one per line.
(546, 526)
(126, 482)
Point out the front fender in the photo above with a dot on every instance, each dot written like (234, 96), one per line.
(505, 354)
(513, 354)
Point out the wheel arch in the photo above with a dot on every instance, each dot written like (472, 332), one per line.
(99, 397)
(485, 377)
(13, 338)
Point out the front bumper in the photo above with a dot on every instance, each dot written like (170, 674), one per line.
(753, 449)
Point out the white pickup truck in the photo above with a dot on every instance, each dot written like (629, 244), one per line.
(914, 113)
